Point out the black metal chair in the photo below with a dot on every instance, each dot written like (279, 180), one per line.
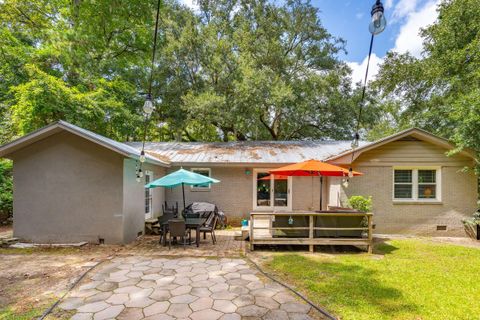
(209, 227)
(177, 228)
(168, 214)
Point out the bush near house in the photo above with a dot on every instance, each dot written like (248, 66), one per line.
(360, 203)
(6, 191)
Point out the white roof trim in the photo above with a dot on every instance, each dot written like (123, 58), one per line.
(53, 128)
(429, 137)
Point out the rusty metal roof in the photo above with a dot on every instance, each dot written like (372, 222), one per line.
(239, 152)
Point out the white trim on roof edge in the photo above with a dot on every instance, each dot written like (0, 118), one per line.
(53, 128)
(429, 137)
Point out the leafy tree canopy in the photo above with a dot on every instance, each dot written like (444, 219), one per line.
(235, 69)
(440, 91)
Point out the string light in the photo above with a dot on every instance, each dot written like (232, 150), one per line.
(376, 26)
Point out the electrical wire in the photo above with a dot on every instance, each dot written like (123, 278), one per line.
(359, 117)
(73, 285)
(152, 66)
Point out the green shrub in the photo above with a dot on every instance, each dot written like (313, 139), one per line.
(6, 189)
(360, 203)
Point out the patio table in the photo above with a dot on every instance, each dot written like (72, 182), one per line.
(190, 223)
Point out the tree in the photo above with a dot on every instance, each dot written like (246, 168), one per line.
(440, 91)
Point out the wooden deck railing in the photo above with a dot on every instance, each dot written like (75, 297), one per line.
(262, 231)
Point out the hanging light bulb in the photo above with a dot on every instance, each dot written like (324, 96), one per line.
(142, 156)
(138, 178)
(350, 172)
(345, 183)
(140, 173)
(379, 22)
(148, 106)
(356, 141)
(290, 220)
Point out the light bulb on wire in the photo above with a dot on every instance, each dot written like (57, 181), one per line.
(142, 156)
(378, 23)
(148, 106)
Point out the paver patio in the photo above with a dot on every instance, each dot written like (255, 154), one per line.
(196, 288)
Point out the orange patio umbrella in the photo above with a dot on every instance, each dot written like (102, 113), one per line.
(275, 176)
(314, 168)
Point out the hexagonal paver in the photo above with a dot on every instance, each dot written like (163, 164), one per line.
(244, 300)
(201, 292)
(202, 304)
(224, 306)
(160, 295)
(208, 314)
(131, 314)
(156, 308)
(295, 307)
(184, 298)
(109, 313)
(231, 316)
(299, 316)
(82, 316)
(181, 290)
(71, 303)
(118, 298)
(93, 307)
(179, 310)
(276, 315)
(219, 287)
(252, 311)
(140, 288)
(266, 302)
(107, 286)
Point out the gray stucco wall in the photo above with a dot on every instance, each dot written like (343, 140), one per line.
(67, 189)
(134, 199)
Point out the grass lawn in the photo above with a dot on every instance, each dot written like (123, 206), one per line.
(404, 279)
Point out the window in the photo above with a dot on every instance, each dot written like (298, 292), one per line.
(148, 195)
(205, 172)
(419, 184)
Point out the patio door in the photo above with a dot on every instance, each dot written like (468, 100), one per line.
(271, 192)
(148, 195)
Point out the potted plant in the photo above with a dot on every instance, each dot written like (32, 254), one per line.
(362, 204)
(472, 225)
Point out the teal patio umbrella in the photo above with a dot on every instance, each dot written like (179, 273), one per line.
(181, 177)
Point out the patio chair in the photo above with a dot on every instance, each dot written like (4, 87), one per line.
(168, 213)
(209, 227)
(177, 228)
(173, 210)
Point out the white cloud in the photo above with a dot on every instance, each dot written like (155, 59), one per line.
(408, 39)
(192, 4)
(359, 15)
(404, 8)
(358, 69)
(388, 4)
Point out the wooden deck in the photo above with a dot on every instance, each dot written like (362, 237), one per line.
(262, 230)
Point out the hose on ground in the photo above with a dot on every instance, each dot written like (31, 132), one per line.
(73, 285)
(324, 312)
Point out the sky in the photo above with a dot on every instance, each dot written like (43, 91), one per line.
(349, 19)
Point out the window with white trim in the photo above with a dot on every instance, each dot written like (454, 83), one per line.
(417, 184)
(148, 195)
(205, 172)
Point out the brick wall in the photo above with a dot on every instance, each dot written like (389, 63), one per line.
(459, 195)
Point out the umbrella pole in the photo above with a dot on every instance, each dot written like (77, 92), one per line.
(321, 192)
(183, 192)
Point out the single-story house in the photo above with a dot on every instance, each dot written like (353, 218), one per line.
(71, 184)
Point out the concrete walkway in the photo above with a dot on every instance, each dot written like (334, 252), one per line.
(147, 287)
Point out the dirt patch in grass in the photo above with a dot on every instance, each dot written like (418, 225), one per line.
(34, 278)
